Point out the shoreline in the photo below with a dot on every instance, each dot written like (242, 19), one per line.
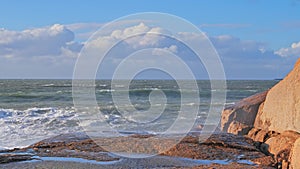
(76, 150)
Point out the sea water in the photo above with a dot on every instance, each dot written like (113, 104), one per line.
(32, 110)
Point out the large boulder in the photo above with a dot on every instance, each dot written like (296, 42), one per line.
(281, 145)
(295, 155)
(281, 109)
(239, 118)
(260, 135)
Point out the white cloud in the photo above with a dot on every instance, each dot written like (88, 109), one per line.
(161, 51)
(84, 31)
(134, 37)
(292, 51)
(47, 41)
(47, 52)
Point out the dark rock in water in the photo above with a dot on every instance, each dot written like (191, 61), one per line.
(7, 158)
(239, 118)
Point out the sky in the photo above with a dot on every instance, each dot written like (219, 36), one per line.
(255, 39)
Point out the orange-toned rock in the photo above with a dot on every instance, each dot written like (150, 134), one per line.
(281, 145)
(239, 118)
(297, 63)
(281, 109)
(258, 135)
(295, 155)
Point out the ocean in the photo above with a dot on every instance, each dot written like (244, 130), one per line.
(32, 110)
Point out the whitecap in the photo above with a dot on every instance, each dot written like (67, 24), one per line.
(20, 128)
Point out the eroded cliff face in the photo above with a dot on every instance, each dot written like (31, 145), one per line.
(281, 109)
(276, 124)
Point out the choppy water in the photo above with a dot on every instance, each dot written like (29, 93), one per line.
(31, 110)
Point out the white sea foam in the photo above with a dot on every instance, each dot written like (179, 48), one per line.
(48, 85)
(105, 90)
(22, 128)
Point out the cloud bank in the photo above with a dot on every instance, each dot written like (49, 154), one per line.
(55, 40)
(52, 51)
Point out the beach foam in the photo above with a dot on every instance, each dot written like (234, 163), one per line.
(22, 128)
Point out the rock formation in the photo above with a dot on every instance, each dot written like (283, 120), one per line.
(295, 155)
(272, 119)
(239, 118)
(281, 110)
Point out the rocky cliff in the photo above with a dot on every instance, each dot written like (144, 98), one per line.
(276, 124)
(281, 110)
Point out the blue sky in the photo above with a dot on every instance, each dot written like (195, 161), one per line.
(273, 24)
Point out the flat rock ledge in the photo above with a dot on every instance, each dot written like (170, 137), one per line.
(220, 150)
